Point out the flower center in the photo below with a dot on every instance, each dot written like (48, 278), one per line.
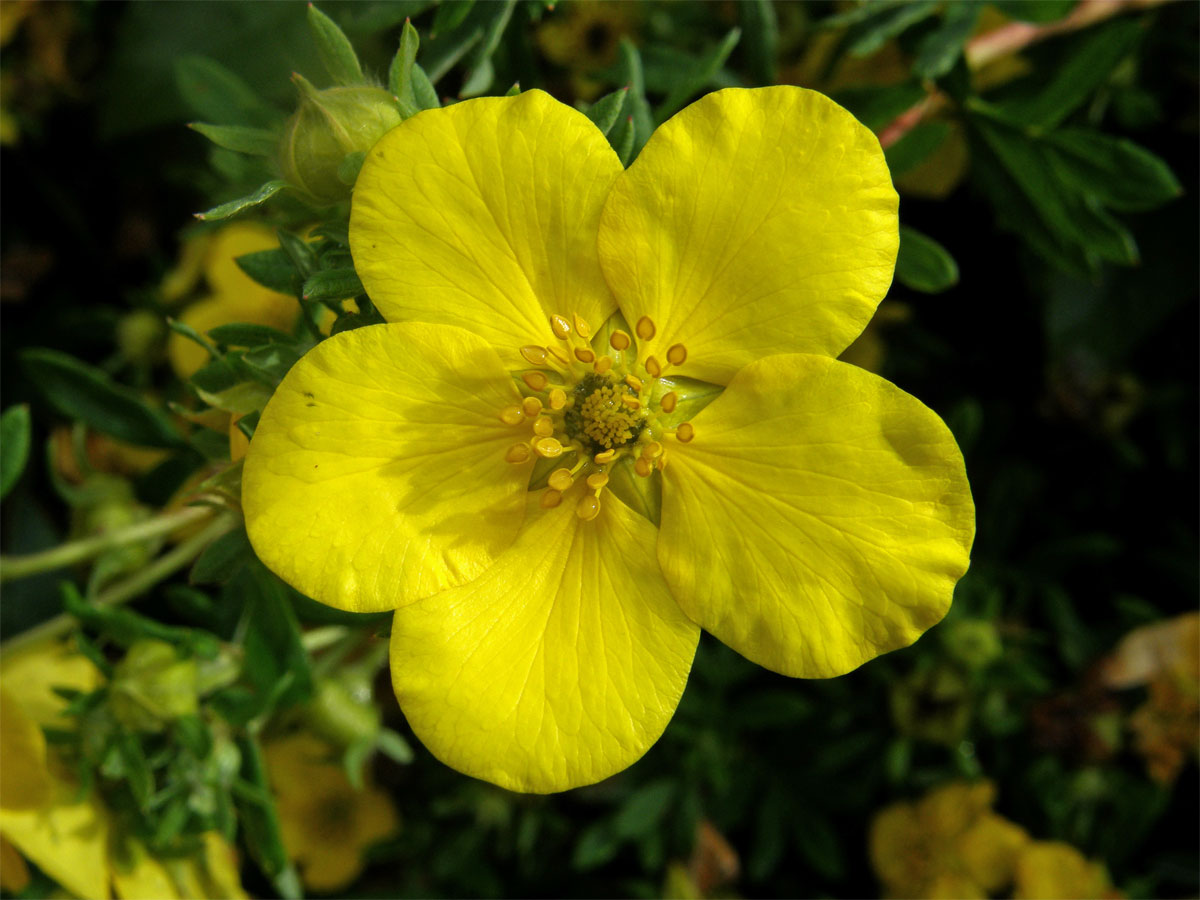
(593, 410)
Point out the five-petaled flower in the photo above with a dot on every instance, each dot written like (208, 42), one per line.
(555, 510)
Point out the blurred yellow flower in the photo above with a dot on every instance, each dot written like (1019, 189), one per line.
(948, 844)
(327, 824)
(234, 296)
(1049, 870)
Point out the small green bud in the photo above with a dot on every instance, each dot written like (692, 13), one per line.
(140, 336)
(329, 125)
(343, 714)
(932, 705)
(972, 643)
(152, 686)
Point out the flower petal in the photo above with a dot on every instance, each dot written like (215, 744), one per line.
(484, 215)
(819, 517)
(753, 222)
(561, 665)
(377, 476)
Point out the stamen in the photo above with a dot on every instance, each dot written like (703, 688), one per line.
(584, 355)
(550, 499)
(597, 480)
(561, 327)
(652, 450)
(653, 367)
(677, 354)
(668, 401)
(643, 467)
(605, 416)
(534, 354)
(685, 432)
(605, 456)
(561, 479)
(531, 406)
(512, 415)
(619, 340)
(582, 328)
(634, 382)
(557, 355)
(603, 364)
(588, 508)
(631, 401)
(537, 381)
(645, 328)
(543, 427)
(517, 453)
(558, 398)
(548, 447)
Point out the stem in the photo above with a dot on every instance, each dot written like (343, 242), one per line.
(77, 551)
(133, 586)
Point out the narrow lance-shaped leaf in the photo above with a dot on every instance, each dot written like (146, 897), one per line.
(761, 27)
(700, 77)
(605, 111)
(400, 73)
(233, 207)
(333, 284)
(923, 264)
(449, 15)
(639, 107)
(272, 269)
(1119, 173)
(15, 431)
(337, 54)
(940, 49)
(482, 72)
(254, 141)
(216, 94)
(867, 36)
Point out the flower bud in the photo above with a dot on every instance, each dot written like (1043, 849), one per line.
(328, 125)
(343, 713)
(152, 686)
(140, 336)
(972, 643)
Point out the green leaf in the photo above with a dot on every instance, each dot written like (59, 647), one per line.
(867, 36)
(240, 334)
(299, 251)
(216, 94)
(269, 364)
(761, 27)
(222, 559)
(82, 392)
(1119, 173)
(337, 54)
(272, 269)
(259, 821)
(15, 436)
(482, 73)
(449, 15)
(622, 141)
(940, 50)
(818, 843)
(394, 747)
(233, 207)
(333, 284)
(1086, 67)
(700, 76)
(350, 166)
(645, 808)
(255, 141)
(915, 147)
(187, 331)
(1040, 11)
(605, 111)
(597, 845)
(423, 90)
(876, 107)
(277, 666)
(639, 107)
(400, 72)
(923, 264)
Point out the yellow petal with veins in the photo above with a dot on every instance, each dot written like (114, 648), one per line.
(68, 840)
(484, 215)
(753, 222)
(377, 475)
(561, 665)
(819, 517)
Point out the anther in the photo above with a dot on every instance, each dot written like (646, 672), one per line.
(605, 456)
(561, 479)
(652, 450)
(653, 368)
(584, 355)
(645, 328)
(558, 356)
(634, 382)
(543, 427)
(597, 480)
(517, 453)
(531, 406)
(561, 327)
(602, 365)
(643, 467)
(588, 508)
(582, 328)
(685, 432)
(558, 398)
(677, 354)
(512, 415)
(631, 401)
(619, 340)
(537, 381)
(534, 354)
(548, 447)
(668, 401)
(550, 499)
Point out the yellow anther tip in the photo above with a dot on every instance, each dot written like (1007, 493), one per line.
(643, 467)
(537, 381)
(634, 382)
(582, 328)
(653, 367)
(543, 427)
(588, 508)
(685, 432)
(645, 328)
(512, 415)
(561, 479)
(584, 355)
(677, 354)
(605, 456)
(548, 447)
(531, 406)
(631, 401)
(668, 402)
(517, 453)
(550, 499)
(603, 364)
(534, 354)
(561, 327)
(558, 398)
(619, 340)
(557, 355)
(652, 450)
(597, 480)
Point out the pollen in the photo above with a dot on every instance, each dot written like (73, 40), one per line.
(550, 499)
(685, 432)
(668, 401)
(561, 479)
(653, 367)
(619, 340)
(558, 398)
(582, 328)
(512, 415)
(645, 328)
(517, 453)
(561, 327)
(537, 381)
(584, 355)
(588, 508)
(548, 447)
(531, 406)
(606, 419)
(677, 354)
(602, 365)
(534, 355)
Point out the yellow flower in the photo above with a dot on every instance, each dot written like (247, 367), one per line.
(235, 296)
(327, 824)
(585, 36)
(1049, 870)
(495, 470)
(948, 844)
